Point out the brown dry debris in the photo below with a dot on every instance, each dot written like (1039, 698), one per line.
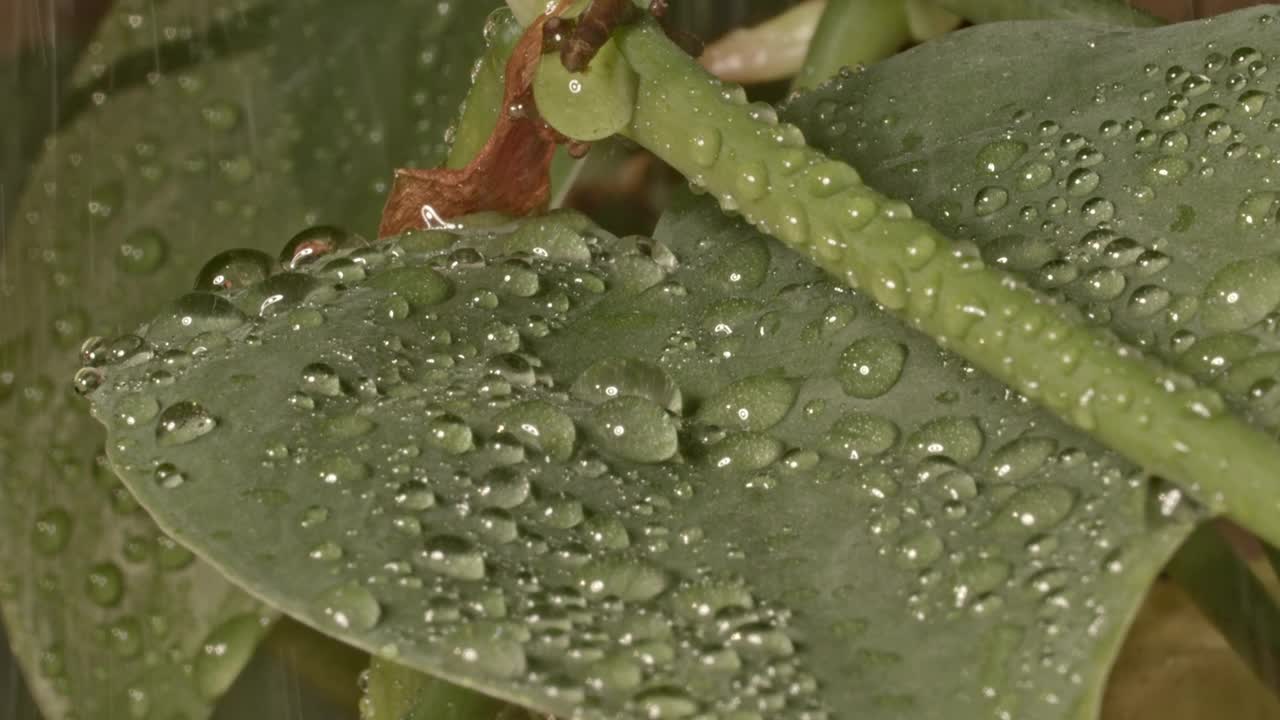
(511, 174)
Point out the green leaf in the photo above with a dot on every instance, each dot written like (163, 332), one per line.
(394, 692)
(1110, 12)
(1161, 418)
(639, 478)
(1136, 189)
(196, 128)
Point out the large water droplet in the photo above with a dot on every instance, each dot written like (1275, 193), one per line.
(452, 556)
(626, 579)
(622, 377)
(858, 436)
(351, 607)
(183, 422)
(234, 270)
(1241, 294)
(871, 366)
(635, 429)
(755, 403)
(998, 156)
(312, 244)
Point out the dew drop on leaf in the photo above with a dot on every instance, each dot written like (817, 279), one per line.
(452, 556)
(234, 270)
(635, 429)
(871, 366)
(183, 422)
(755, 403)
(351, 607)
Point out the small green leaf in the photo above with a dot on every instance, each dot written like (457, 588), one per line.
(590, 105)
(596, 479)
(190, 129)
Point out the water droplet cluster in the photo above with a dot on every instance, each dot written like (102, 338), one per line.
(1151, 208)
(637, 477)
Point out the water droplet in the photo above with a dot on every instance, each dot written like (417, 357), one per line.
(626, 579)
(420, 286)
(234, 270)
(1034, 175)
(998, 156)
(858, 436)
(1022, 458)
(634, 428)
(168, 476)
(542, 426)
(351, 607)
(744, 452)
(183, 422)
(1082, 181)
(755, 403)
(871, 366)
(199, 312)
(625, 377)
(1168, 170)
(920, 549)
(1035, 509)
(955, 437)
(744, 265)
(1252, 102)
(452, 556)
(321, 379)
(451, 434)
(1241, 294)
(414, 495)
(312, 244)
(503, 488)
(990, 200)
(706, 144)
(1258, 209)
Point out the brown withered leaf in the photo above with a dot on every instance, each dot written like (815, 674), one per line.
(511, 173)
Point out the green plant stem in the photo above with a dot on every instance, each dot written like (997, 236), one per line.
(851, 33)
(1232, 598)
(821, 208)
(1110, 12)
(483, 104)
(395, 692)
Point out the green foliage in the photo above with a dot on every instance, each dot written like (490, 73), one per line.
(642, 477)
(190, 129)
(1166, 420)
(534, 477)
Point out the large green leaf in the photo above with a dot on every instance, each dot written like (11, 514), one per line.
(637, 478)
(196, 127)
(1128, 172)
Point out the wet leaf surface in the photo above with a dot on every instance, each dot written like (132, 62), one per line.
(633, 477)
(191, 129)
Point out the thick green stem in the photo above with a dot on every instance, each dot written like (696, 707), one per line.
(851, 33)
(1231, 596)
(1110, 12)
(821, 208)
